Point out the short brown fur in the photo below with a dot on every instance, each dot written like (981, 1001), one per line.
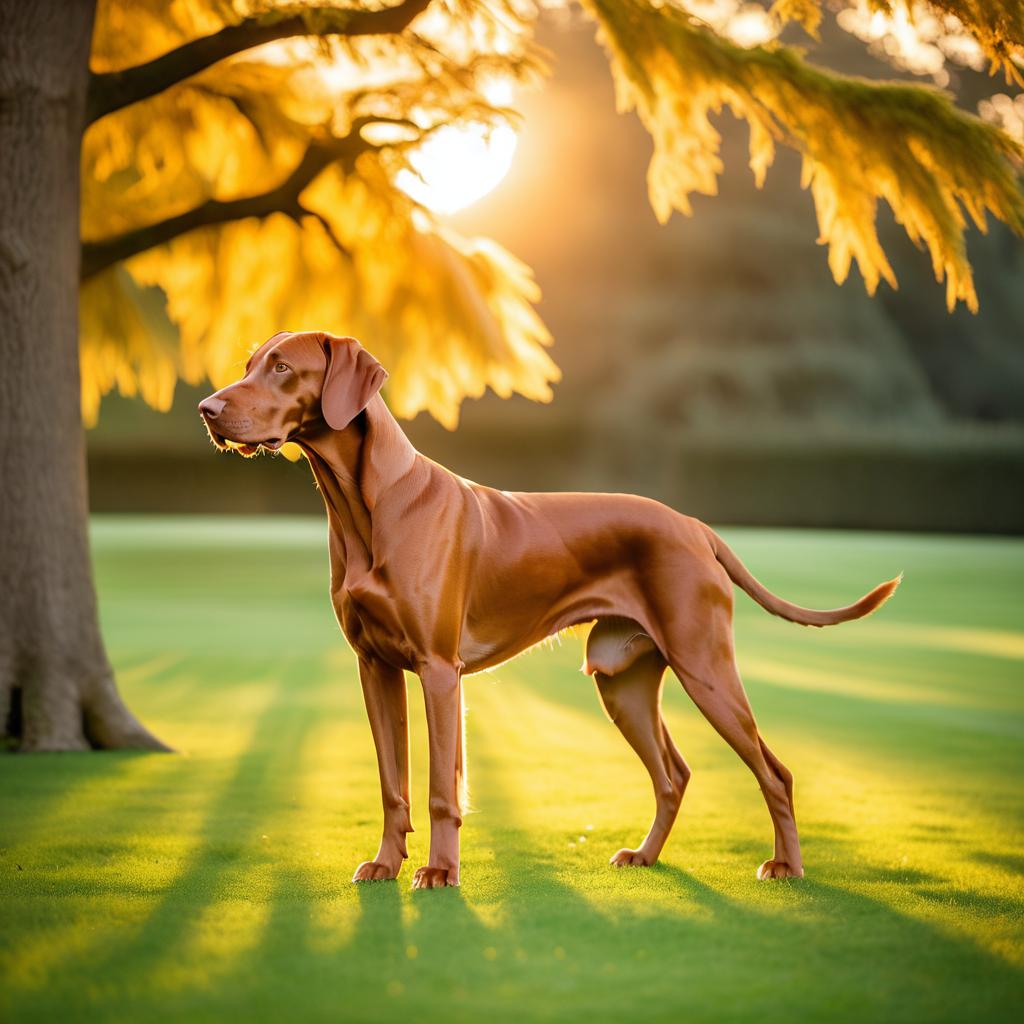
(434, 574)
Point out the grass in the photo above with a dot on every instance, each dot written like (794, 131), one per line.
(215, 884)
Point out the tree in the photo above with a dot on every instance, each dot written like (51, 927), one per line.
(239, 169)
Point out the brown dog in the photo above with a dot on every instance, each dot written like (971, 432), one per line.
(436, 575)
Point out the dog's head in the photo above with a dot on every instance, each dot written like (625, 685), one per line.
(292, 383)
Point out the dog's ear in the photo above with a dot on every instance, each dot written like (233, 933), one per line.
(353, 377)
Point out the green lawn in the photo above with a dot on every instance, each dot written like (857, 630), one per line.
(214, 884)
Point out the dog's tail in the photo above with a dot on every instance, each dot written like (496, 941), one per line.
(742, 577)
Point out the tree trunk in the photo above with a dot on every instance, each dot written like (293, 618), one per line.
(57, 689)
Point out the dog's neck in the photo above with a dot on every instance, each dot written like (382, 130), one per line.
(355, 468)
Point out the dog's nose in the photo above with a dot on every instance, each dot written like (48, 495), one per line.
(212, 407)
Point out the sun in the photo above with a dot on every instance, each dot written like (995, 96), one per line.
(459, 164)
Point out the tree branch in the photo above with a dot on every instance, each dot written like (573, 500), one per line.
(98, 256)
(116, 89)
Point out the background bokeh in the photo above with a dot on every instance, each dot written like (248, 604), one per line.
(711, 363)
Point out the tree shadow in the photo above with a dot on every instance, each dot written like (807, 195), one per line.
(39, 786)
(809, 949)
(538, 931)
(218, 864)
(1011, 862)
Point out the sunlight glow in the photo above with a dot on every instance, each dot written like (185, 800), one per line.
(914, 38)
(746, 24)
(1005, 111)
(460, 164)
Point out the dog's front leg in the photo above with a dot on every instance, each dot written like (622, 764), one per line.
(387, 708)
(442, 697)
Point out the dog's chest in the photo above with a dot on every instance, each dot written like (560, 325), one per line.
(372, 622)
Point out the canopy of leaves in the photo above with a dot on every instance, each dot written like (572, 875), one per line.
(997, 25)
(259, 195)
(244, 189)
(861, 141)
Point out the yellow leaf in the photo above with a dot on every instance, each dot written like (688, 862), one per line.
(125, 342)
(860, 141)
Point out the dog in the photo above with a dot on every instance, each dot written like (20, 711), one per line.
(437, 575)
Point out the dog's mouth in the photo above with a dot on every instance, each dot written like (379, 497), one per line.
(249, 448)
(246, 448)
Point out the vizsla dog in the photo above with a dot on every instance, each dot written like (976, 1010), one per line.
(436, 575)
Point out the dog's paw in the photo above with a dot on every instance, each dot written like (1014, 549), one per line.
(777, 869)
(374, 871)
(630, 859)
(434, 878)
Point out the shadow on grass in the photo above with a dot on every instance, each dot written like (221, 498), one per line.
(945, 737)
(39, 787)
(216, 867)
(540, 937)
(1010, 862)
(665, 939)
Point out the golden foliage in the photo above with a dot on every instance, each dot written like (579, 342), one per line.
(348, 252)
(448, 317)
(997, 25)
(343, 249)
(127, 343)
(860, 141)
(132, 32)
(232, 132)
(805, 12)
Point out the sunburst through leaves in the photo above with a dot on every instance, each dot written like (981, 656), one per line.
(250, 168)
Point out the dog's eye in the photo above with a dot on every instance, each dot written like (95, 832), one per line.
(281, 368)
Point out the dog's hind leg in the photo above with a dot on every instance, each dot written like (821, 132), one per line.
(787, 860)
(722, 700)
(628, 671)
(701, 654)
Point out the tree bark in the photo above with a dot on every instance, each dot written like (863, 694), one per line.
(57, 689)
